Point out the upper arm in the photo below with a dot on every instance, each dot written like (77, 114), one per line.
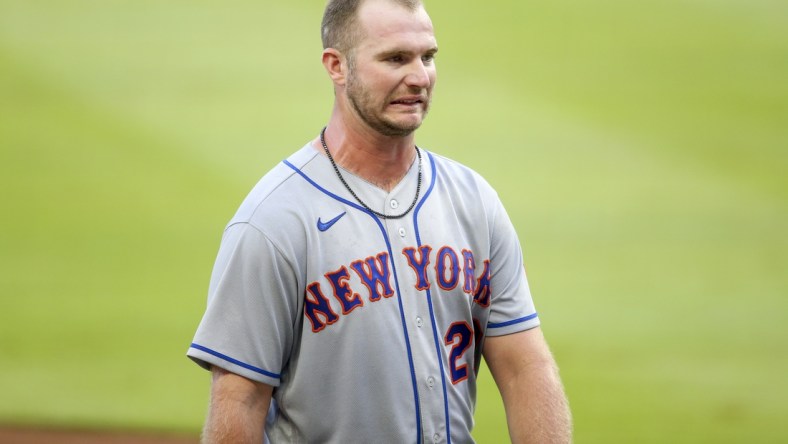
(228, 387)
(536, 407)
(229, 384)
(509, 355)
(237, 409)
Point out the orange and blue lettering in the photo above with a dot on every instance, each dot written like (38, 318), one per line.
(342, 290)
(419, 265)
(317, 307)
(447, 282)
(374, 273)
(482, 294)
(469, 270)
(459, 336)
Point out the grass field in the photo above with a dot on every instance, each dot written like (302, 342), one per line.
(641, 149)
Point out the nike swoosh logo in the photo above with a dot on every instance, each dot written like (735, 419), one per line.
(323, 226)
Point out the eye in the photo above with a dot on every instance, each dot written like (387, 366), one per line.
(396, 58)
(428, 58)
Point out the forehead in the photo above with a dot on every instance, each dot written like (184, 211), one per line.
(387, 26)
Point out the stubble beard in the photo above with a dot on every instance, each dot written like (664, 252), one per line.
(363, 103)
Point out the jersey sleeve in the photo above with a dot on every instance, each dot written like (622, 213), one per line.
(247, 327)
(511, 308)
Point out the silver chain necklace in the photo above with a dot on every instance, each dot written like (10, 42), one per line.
(342, 179)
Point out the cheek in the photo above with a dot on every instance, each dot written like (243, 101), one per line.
(433, 75)
(376, 83)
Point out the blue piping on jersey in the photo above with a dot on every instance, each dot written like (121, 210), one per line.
(236, 362)
(438, 345)
(314, 184)
(512, 322)
(396, 283)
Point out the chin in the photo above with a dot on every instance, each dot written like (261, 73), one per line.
(406, 128)
(397, 127)
(411, 123)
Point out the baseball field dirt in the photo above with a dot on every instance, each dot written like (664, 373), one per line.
(29, 435)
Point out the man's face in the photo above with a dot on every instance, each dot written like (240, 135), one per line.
(391, 71)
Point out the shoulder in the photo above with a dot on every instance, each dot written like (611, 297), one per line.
(279, 192)
(453, 176)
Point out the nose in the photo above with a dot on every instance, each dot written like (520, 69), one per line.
(420, 75)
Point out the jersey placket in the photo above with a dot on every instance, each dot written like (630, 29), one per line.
(425, 350)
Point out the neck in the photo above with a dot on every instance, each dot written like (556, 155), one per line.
(378, 159)
(358, 199)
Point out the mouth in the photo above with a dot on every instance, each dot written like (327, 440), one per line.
(409, 101)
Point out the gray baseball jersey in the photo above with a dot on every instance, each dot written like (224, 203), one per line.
(370, 329)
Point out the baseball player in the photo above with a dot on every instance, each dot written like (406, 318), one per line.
(362, 280)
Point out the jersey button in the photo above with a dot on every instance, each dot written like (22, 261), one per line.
(430, 382)
(401, 232)
(436, 438)
(394, 204)
(419, 321)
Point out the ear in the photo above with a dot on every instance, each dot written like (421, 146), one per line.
(336, 65)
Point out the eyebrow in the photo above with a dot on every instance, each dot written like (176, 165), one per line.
(394, 52)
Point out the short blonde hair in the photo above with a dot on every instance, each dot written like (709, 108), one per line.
(339, 29)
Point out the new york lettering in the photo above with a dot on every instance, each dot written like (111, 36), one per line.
(444, 267)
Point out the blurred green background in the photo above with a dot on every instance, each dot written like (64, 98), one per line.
(641, 148)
